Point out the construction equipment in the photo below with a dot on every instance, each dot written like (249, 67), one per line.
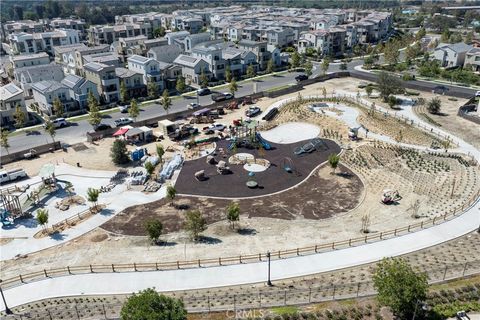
(232, 105)
(390, 196)
(353, 133)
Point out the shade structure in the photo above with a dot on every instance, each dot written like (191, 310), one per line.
(120, 132)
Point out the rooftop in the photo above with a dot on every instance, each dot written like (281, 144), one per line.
(47, 86)
(9, 91)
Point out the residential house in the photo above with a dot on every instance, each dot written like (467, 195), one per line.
(259, 49)
(177, 38)
(472, 59)
(105, 79)
(26, 26)
(192, 68)
(320, 40)
(126, 43)
(165, 54)
(70, 57)
(69, 23)
(108, 34)
(42, 42)
(79, 90)
(27, 76)
(149, 68)
(45, 92)
(28, 60)
(191, 40)
(11, 96)
(133, 82)
(451, 55)
(107, 58)
(280, 37)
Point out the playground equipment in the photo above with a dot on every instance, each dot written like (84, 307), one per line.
(288, 166)
(222, 168)
(211, 160)
(390, 196)
(315, 144)
(5, 217)
(262, 141)
(200, 175)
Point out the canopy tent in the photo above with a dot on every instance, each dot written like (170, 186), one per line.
(121, 132)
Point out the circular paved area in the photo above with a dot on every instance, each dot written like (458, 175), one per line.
(233, 185)
(254, 167)
(291, 132)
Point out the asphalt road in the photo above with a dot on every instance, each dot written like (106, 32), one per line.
(76, 132)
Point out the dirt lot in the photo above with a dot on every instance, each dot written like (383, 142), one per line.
(316, 198)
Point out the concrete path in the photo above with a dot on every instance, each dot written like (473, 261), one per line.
(116, 283)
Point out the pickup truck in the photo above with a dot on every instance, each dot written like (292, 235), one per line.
(462, 315)
(12, 175)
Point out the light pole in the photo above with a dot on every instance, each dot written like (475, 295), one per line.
(7, 309)
(269, 283)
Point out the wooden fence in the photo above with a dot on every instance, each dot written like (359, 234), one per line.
(19, 155)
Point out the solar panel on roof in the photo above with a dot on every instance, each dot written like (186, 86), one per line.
(11, 89)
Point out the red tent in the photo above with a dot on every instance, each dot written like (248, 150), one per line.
(120, 132)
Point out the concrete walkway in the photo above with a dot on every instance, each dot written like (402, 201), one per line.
(117, 283)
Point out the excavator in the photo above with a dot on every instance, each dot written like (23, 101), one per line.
(390, 196)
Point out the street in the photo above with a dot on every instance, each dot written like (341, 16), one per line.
(76, 132)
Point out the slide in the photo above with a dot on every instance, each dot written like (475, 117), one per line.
(264, 142)
(232, 144)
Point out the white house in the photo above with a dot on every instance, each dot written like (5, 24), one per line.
(11, 96)
(45, 92)
(451, 55)
(27, 76)
(28, 60)
(149, 68)
(192, 68)
(79, 89)
(42, 42)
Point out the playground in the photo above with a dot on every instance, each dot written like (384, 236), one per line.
(252, 171)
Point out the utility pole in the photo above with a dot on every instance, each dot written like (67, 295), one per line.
(7, 309)
(269, 283)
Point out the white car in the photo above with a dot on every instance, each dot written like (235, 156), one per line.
(215, 126)
(59, 123)
(123, 121)
(124, 109)
(193, 105)
(228, 95)
(477, 94)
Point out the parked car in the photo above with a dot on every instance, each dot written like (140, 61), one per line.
(222, 96)
(193, 105)
(59, 123)
(124, 109)
(12, 175)
(253, 111)
(214, 127)
(203, 91)
(301, 77)
(123, 121)
(102, 127)
(477, 94)
(440, 89)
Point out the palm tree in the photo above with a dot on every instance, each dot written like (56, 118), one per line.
(333, 160)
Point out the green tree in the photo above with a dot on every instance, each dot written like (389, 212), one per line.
(180, 86)
(434, 105)
(92, 196)
(154, 229)
(123, 92)
(325, 65)
(171, 193)
(119, 153)
(159, 32)
(149, 167)
(42, 217)
(58, 109)
(445, 35)
(50, 129)
(391, 52)
(160, 151)
(333, 160)
(134, 110)
(203, 79)
(233, 87)
(295, 59)
(166, 101)
(270, 66)
(399, 287)
(343, 66)
(251, 71)
(421, 33)
(149, 305)
(388, 84)
(152, 89)
(4, 139)
(195, 223)
(228, 74)
(94, 111)
(233, 213)
(308, 66)
(19, 117)
(469, 37)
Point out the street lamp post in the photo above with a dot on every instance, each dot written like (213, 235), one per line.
(7, 309)
(269, 283)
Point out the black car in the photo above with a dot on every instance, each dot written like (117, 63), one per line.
(203, 91)
(102, 127)
(301, 77)
(440, 89)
